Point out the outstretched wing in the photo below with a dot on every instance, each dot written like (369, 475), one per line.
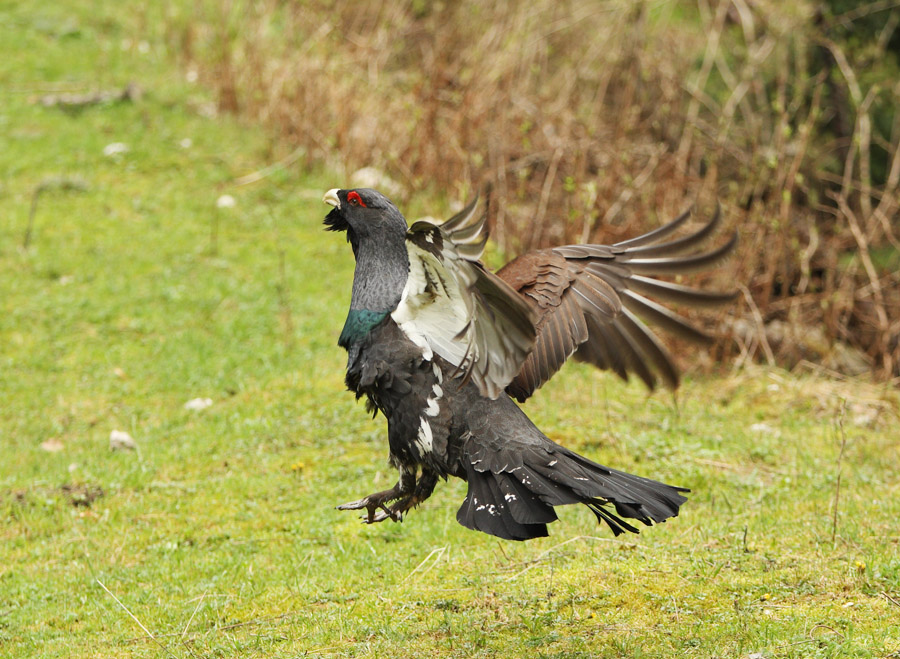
(466, 230)
(455, 308)
(591, 299)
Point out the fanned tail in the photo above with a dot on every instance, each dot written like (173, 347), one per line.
(512, 494)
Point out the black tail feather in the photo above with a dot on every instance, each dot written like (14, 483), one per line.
(616, 524)
(487, 509)
(524, 505)
(515, 501)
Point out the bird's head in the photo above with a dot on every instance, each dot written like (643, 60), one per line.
(364, 213)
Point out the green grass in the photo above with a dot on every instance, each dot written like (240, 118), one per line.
(218, 534)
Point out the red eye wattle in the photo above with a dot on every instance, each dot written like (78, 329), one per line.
(354, 199)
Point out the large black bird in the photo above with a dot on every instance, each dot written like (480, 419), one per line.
(438, 344)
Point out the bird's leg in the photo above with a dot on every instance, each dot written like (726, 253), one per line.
(379, 500)
(423, 490)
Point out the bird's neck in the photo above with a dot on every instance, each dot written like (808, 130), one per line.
(382, 268)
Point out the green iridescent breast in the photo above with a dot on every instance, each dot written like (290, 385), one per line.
(359, 323)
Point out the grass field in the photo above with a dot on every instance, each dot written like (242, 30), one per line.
(217, 536)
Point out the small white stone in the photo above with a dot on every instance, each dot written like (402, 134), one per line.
(226, 201)
(119, 440)
(198, 403)
(52, 445)
(115, 149)
(372, 177)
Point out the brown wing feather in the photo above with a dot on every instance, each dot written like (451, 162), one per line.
(542, 278)
(589, 302)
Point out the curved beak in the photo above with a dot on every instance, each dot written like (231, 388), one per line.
(331, 198)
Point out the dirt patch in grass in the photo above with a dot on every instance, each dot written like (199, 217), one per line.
(81, 496)
(76, 495)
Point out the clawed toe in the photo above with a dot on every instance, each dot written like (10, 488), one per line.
(405, 495)
(383, 514)
(355, 505)
(375, 506)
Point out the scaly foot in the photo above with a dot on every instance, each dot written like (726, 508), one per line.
(375, 502)
(395, 511)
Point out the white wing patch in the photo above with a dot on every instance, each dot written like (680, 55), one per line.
(433, 310)
(454, 308)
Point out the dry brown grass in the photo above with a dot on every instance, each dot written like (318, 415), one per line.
(591, 120)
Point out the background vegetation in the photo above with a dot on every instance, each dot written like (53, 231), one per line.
(166, 262)
(593, 120)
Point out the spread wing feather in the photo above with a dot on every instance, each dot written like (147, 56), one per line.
(466, 230)
(592, 300)
(516, 329)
